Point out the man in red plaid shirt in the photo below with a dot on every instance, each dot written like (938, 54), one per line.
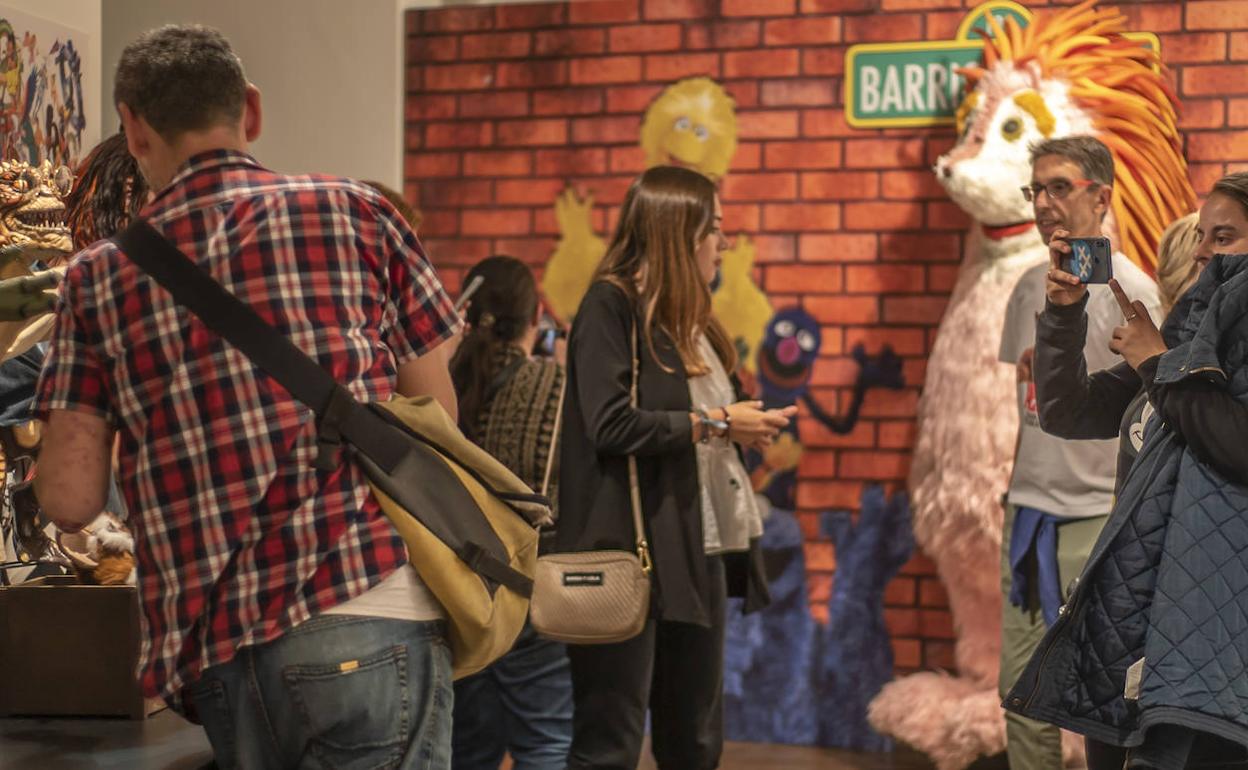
(276, 599)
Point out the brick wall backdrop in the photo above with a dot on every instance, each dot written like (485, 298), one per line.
(506, 105)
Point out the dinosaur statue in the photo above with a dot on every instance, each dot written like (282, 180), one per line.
(693, 123)
(1069, 72)
(786, 360)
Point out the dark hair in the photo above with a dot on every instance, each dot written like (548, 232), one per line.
(181, 78)
(1235, 187)
(396, 199)
(499, 313)
(1089, 153)
(108, 193)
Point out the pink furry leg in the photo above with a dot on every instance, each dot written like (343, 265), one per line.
(949, 719)
(975, 601)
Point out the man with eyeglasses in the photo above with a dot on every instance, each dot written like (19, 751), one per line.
(1060, 491)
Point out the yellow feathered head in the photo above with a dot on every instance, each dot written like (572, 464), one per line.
(693, 124)
(1119, 84)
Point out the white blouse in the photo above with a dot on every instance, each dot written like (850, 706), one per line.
(730, 512)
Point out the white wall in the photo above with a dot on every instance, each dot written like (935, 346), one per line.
(83, 15)
(329, 72)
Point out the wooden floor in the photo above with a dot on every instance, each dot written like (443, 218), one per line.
(167, 742)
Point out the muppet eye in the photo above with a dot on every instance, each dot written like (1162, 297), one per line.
(683, 124)
(1012, 129)
(806, 341)
(785, 329)
(701, 133)
(21, 184)
(63, 180)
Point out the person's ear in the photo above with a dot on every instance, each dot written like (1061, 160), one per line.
(1105, 198)
(138, 133)
(252, 114)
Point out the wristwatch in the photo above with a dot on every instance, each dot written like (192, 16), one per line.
(719, 426)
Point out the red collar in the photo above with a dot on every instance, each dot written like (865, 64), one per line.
(1005, 231)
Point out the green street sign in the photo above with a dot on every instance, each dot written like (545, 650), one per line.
(891, 85)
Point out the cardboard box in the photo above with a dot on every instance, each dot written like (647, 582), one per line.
(70, 650)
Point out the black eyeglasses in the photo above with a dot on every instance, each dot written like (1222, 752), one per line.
(1057, 189)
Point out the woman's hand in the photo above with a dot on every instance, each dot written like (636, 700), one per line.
(1137, 340)
(752, 426)
(1061, 287)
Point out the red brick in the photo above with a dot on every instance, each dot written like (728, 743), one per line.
(607, 69)
(884, 153)
(609, 130)
(910, 185)
(496, 221)
(816, 434)
(745, 33)
(532, 73)
(918, 5)
(903, 341)
(581, 101)
(889, 403)
(631, 98)
(459, 251)
(829, 494)
(1237, 112)
(534, 192)
(897, 435)
(759, 187)
(749, 157)
(874, 465)
(943, 25)
(494, 104)
(839, 6)
(840, 185)
(946, 215)
(833, 372)
(761, 63)
(791, 92)
(457, 20)
(544, 222)
(883, 216)
(432, 49)
(743, 216)
(439, 222)
(939, 655)
(608, 191)
(901, 621)
(496, 45)
(818, 589)
(900, 592)
(803, 279)
(1202, 113)
(885, 279)
(771, 249)
(1217, 14)
(843, 309)
(914, 310)
(534, 251)
(645, 37)
(498, 163)
(819, 557)
(1239, 46)
(1203, 175)
(1186, 47)
(569, 42)
(528, 133)
(907, 653)
(941, 278)
(936, 624)
(536, 15)
(1221, 146)
(914, 371)
(837, 247)
(1154, 17)
(766, 124)
(816, 464)
(627, 160)
(678, 9)
(788, 217)
(803, 155)
(603, 11)
(590, 160)
(676, 66)
(803, 31)
(426, 106)
(458, 134)
(920, 564)
(928, 247)
(458, 77)
(932, 593)
(1216, 80)
(412, 138)
(823, 123)
(417, 166)
(875, 29)
(758, 7)
(824, 61)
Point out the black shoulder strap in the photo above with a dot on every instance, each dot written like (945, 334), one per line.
(240, 325)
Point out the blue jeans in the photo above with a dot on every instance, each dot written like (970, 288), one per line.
(522, 704)
(339, 691)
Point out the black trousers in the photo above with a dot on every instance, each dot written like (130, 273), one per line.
(674, 669)
(1168, 747)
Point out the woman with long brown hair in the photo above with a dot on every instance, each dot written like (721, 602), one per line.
(652, 293)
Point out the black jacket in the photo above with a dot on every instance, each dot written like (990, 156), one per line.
(600, 430)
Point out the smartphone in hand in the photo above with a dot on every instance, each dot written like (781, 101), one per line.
(1090, 260)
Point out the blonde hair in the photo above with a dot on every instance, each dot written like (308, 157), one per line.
(1176, 271)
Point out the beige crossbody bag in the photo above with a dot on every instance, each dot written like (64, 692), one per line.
(594, 597)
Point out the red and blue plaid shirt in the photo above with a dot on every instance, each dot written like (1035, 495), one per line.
(239, 537)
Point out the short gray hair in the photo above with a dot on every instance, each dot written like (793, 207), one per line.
(1087, 152)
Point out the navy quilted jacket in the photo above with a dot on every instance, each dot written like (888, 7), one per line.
(1167, 581)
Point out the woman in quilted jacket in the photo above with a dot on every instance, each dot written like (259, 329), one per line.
(1149, 658)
